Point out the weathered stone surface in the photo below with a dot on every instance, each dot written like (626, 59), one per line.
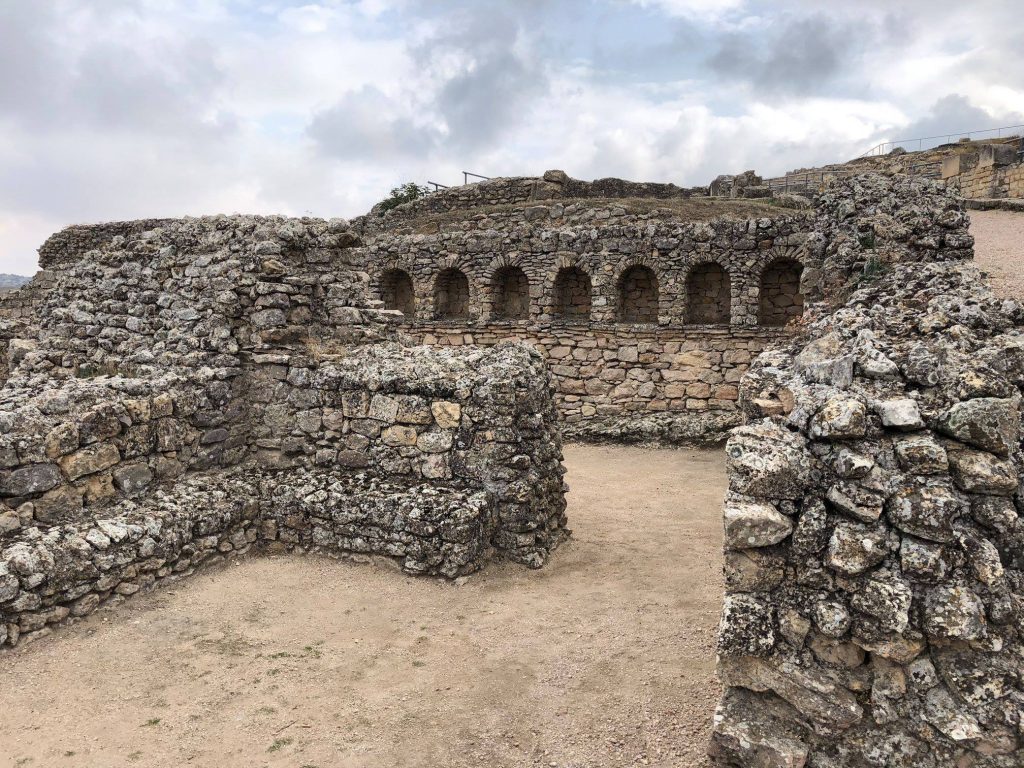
(981, 472)
(855, 548)
(769, 461)
(901, 414)
(954, 612)
(839, 418)
(856, 501)
(28, 480)
(887, 600)
(992, 424)
(93, 458)
(747, 627)
(812, 692)
(926, 511)
(921, 454)
(750, 525)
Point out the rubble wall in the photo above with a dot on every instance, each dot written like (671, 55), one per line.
(192, 389)
(673, 378)
(874, 550)
(489, 193)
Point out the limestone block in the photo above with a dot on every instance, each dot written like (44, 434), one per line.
(749, 525)
(93, 458)
(30, 479)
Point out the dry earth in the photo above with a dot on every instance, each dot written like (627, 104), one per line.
(603, 658)
(999, 249)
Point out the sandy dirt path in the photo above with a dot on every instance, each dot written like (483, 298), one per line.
(603, 658)
(999, 250)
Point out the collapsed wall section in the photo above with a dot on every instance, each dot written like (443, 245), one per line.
(874, 573)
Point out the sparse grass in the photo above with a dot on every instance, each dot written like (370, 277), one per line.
(69, 753)
(152, 721)
(279, 744)
(685, 209)
(419, 663)
(134, 756)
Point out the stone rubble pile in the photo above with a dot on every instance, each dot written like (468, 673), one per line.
(874, 541)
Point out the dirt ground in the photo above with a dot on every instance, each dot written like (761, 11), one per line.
(603, 658)
(999, 249)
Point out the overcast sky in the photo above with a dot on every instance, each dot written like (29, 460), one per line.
(117, 109)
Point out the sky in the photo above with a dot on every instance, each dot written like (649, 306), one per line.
(121, 109)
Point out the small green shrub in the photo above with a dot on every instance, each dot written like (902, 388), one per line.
(406, 193)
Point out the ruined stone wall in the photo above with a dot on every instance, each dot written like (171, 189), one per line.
(553, 185)
(207, 384)
(874, 573)
(631, 384)
(647, 319)
(993, 182)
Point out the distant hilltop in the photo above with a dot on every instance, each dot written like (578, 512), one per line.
(8, 281)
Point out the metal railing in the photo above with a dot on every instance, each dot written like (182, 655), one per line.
(888, 146)
(465, 180)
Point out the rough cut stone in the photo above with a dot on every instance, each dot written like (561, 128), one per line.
(34, 478)
(989, 423)
(750, 525)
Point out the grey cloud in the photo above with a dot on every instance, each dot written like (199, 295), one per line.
(73, 70)
(801, 56)
(467, 106)
(952, 116)
(366, 124)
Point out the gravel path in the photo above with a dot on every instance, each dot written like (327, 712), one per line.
(603, 658)
(999, 249)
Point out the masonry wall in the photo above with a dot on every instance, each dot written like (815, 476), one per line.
(553, 185)
(647, 321)
(873, 537)
(198, 386)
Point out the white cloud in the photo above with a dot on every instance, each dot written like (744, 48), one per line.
(132, 108)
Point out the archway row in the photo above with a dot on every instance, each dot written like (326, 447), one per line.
(708, 290)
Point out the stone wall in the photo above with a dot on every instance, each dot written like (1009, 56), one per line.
(874, 572)
(648, 319)
(553, 185)
(631, 384)
(200, 386)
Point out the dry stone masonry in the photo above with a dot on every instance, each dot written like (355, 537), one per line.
(195, 388)
(874, 545)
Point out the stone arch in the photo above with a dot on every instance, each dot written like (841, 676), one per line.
(572, 294)
(708, 294)
(637, 294)
(780, 298)
(396, 291)
(451, 295)
(510, 293)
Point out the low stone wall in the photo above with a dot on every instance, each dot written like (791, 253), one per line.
(553, 185)
(630, 384)
(194, 388)
(874, 573)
